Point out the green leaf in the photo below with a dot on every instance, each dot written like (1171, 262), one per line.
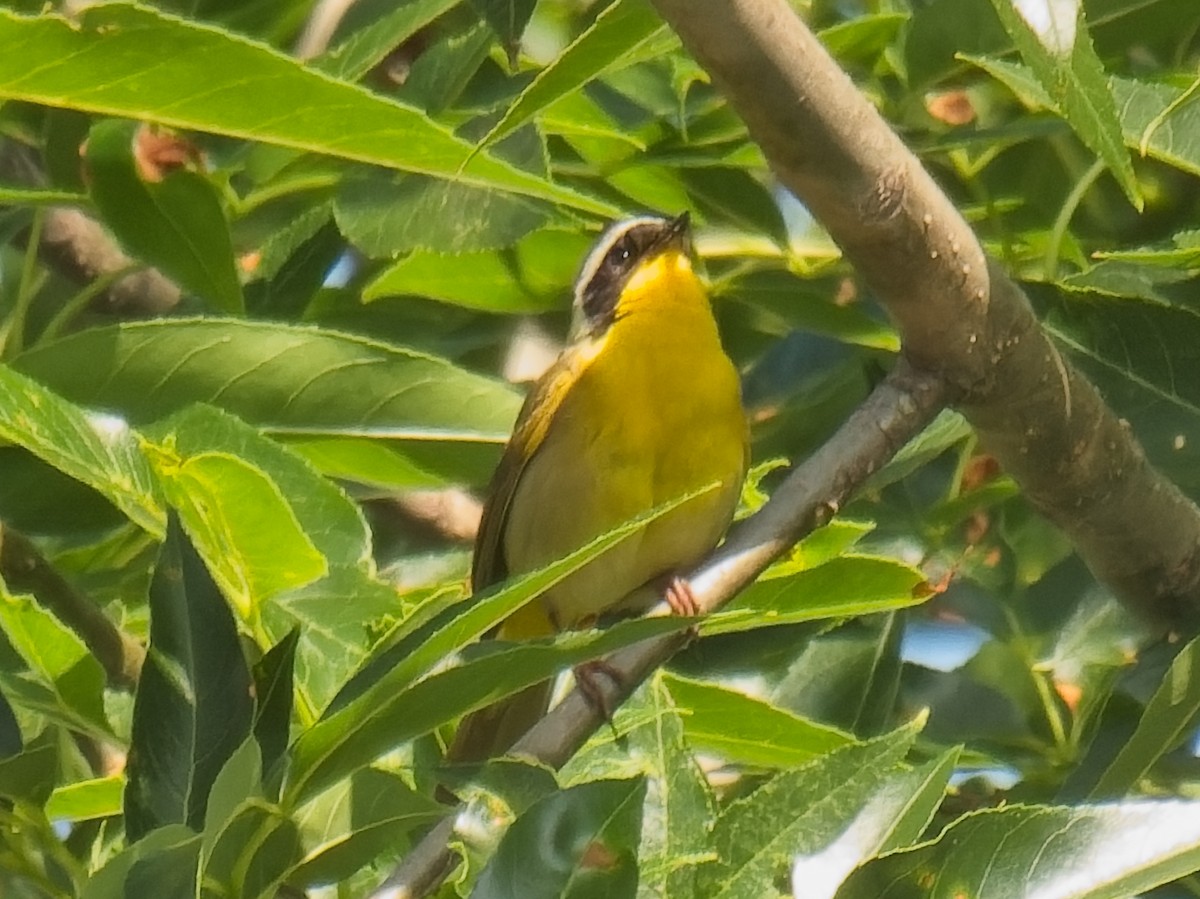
(941, 29)
(38, 196)
(273, 693)
(765, 735)
(679, 807)
(365, 461)
(365, 48)
(894, 817)
(239, 781)
(508, 19)
(241, 524)
(322, 510)
(848, 677)
(616, 34)
(1083, 852)
(1124, 279)
(482, 281)
(1169, 717)
(335, 617)
(1144, 109)
(11, 741)
(194, 704)
(1152, 122)
(381, 719)
(274, 376)
(371, 814)
(60, 665)
(864, 38)
(87, 800)
(1053, 40)
(385, 216)
(242, 89)
(1134, 352)
(97, 450)
(843, 587)
(170, 853)
(252, 853)
(173, 220)
(34, 772)
(440, 74)
(778, 302)
(803, 811)
(585, 839)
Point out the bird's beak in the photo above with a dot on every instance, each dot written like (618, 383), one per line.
(681, 225)
(679, 232)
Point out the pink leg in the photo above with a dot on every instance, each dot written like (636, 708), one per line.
(680, 598)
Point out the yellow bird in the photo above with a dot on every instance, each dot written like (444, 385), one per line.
(641, 408)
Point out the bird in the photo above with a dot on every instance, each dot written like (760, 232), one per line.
(642, 407)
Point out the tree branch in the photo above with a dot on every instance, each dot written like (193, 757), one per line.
(960, 316)
(25, 569)
(895, 412)
(80, 248)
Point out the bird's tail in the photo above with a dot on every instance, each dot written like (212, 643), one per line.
(493, 730)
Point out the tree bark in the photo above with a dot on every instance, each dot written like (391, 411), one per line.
(959, 315)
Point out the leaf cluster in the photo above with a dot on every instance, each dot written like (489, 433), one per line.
(361, 252)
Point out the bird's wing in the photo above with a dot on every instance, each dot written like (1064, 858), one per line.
(533, 423)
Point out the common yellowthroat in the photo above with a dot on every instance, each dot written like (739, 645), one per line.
(642, 407)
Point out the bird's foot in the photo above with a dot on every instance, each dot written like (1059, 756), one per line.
(680, 598)
(587, 677)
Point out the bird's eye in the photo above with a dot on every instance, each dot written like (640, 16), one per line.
(619, 254)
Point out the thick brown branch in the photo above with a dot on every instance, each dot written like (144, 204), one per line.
(959, 316)
(25, 569)
(897, 410)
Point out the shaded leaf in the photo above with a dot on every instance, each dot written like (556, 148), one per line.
(370, 814)
(273, 680)
(173, 221)
(97, 450)
(508, 19)
(173, 845)
(194, 703)
(385, 216)
(365, 48)
(1053, 40)
(11, 741)
(617, 33)
(1169, 718)
(585, 839)
(32, 773)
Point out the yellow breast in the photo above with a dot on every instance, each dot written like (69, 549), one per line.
(654, 414)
